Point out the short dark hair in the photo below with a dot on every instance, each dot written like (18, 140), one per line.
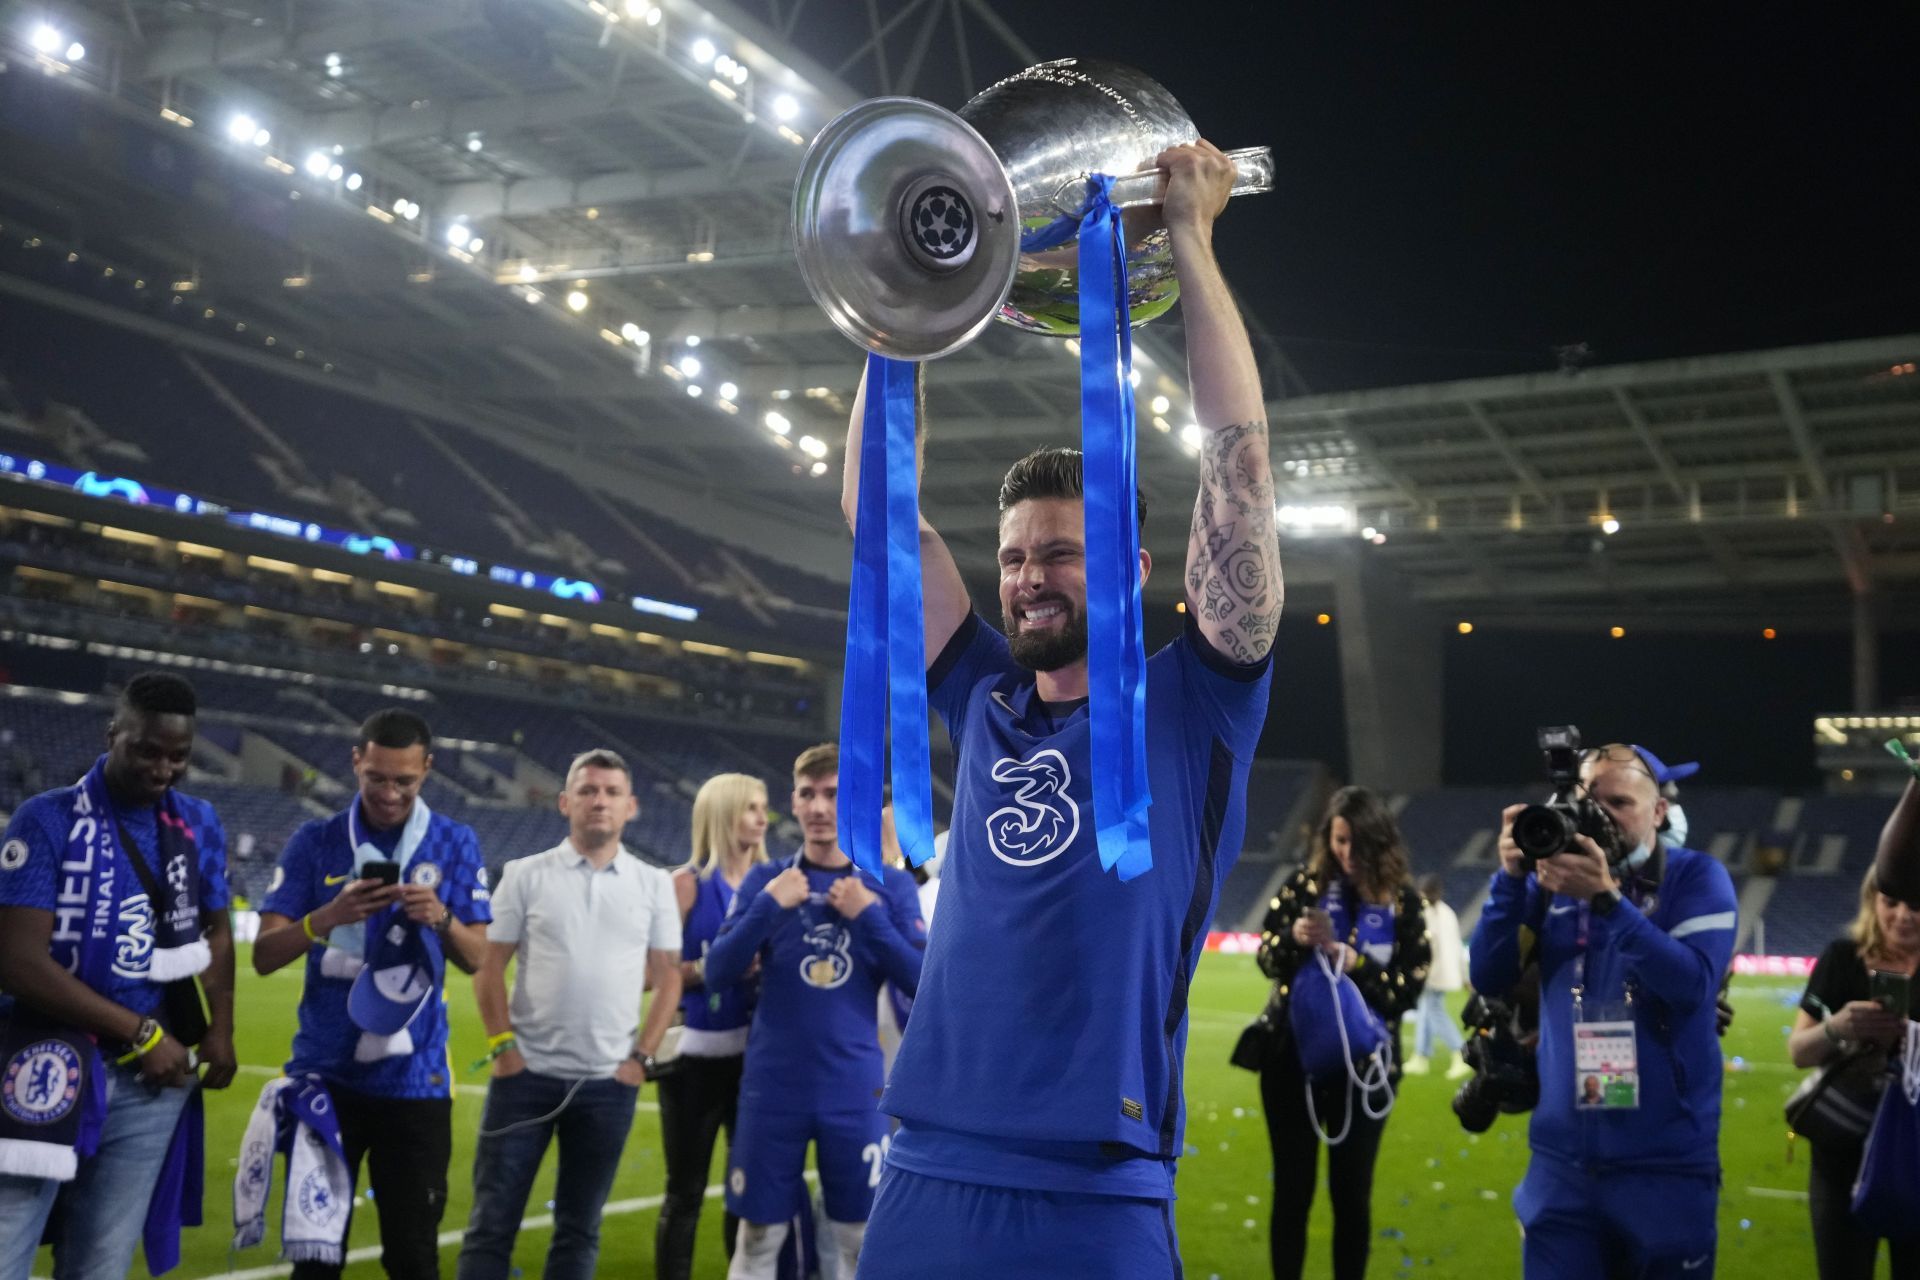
(396, 728)
(598, 758)
(1053, 471)
(159, 693)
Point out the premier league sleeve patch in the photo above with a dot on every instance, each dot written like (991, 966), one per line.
(42, 1083)
(13, 855)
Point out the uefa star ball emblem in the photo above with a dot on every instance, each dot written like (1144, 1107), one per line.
(942, 222)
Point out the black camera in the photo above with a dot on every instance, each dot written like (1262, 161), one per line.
(1499, 1048)
(1542, 830)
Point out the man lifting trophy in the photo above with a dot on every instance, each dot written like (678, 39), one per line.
(1038, 1087)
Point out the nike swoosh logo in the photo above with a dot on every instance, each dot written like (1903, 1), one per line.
(332, 879)
(1001, 698)
(1696, 1264)
(1561, 910)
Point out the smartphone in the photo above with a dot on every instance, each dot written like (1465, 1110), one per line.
(384, 872)
(1892, 991)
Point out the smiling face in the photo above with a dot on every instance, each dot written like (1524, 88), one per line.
(1043, 582)
(147, 753)
(1899, 925)
(390, 780)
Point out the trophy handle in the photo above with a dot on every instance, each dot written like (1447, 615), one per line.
(1252, 174)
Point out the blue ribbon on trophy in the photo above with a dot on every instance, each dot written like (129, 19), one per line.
(886, 681)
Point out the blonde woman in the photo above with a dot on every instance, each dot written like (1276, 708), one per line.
(698, 1098)
(1838, 1014)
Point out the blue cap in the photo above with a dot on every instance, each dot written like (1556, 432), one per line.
(1664, 773)
(404, 964)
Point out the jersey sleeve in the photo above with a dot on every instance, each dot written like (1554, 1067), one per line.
(292, 892)
(30, 857)
(975, 651)
(215, 894)
(509, 905)
(1232, 699)
(903, 903)
(467, 895)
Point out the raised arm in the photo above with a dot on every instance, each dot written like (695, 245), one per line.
(1896, 866)
(1233, 557)
(944, 594)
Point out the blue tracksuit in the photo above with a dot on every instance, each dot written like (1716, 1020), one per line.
(1643, 1181)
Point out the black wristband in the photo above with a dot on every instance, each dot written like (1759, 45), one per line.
(1604, 902)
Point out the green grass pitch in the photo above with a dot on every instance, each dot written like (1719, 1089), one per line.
(1441, 1204)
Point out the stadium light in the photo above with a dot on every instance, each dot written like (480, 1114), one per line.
(694, 389)
(1324, 619)
(261, 138)
(786, 107)
(819, 468)
(353, 181)
(1617, 633)
(692, 339)
(739, 73)
(1609, 526)
(1192, 436)
(335, 172)
(1161, 404)
(635, 334)
(76, 51)
(702, 51)
(1321, 516)
(778, 424)
(46, 39)
(577, 300)
(1133, 377)
(1368, 533)
(690, 365)
(1465, 628)
(242, 127)
(317, 162)
(728, 391)
(476, 244)
(474, 142)
(458, 234)
(812, 447)
(1768, 633)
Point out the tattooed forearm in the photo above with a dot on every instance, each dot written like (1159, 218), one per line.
(1234, 585)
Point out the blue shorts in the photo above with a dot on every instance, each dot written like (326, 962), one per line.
(932, 1229)
(1581, 1226)
(765, 1169)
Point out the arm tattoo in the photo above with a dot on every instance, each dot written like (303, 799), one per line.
(1233, 557)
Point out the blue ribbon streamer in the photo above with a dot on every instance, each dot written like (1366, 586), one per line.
(1116, 651)
(885, 676)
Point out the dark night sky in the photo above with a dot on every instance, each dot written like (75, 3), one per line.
(1465, 187)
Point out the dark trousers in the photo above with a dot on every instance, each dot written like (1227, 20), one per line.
(1843, 1248)
(533, 1109)
(1296, 1161)
(698, 1099)
(406, 1143)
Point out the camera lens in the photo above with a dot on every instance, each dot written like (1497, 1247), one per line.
(1475, 1110)
(1541, 832)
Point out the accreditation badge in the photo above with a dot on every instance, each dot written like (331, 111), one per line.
(1606, 1060)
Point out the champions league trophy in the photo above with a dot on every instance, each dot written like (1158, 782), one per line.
(909, 220)
(914, 227)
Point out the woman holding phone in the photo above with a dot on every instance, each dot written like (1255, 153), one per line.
(1854, 1011)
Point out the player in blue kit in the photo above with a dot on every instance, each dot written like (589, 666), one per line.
(386, 870)
(826, 941)
(1038, 1087)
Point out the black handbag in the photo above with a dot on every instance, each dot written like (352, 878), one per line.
(1259, 1044)
(1835, 1105)
(182, 1010)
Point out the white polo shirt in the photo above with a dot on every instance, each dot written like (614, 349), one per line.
(583, 937)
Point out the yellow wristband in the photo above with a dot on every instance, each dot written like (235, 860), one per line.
(505, 1037)
(306, 927)
(153, 1041)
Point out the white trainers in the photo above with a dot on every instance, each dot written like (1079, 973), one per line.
(1417, 1066)
(1459, 1070)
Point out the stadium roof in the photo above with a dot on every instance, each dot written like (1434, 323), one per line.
(642, 154)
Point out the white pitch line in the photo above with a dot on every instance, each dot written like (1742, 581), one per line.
(1775, 1193)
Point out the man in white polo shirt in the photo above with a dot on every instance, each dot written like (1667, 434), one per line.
(590, 923)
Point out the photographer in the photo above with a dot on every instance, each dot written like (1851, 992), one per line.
(1631, 940)
(1354, 900)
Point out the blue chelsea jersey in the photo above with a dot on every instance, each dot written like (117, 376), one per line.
(317, 861)
(35, 845)
(1050, 1027)
(814, 1040)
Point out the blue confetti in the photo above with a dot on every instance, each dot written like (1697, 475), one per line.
(1392, 1233)
(1746, 1224)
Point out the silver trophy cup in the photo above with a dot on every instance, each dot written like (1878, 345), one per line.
(908, 218)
